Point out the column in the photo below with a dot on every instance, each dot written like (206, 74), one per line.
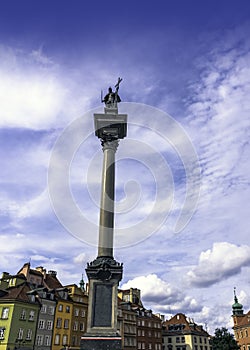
(106, 224)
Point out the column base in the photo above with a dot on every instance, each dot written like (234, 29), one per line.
(101, 343)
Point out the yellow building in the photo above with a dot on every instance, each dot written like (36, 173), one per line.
(182, 333)
(79, 314)
(63, 318)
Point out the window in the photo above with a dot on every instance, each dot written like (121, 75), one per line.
(76, 312)
(5, 312)
(51, 310)
(82, 326)
(29, 334)
(32, 315)
(83, 313)
(169, 340)
(65, 339)
(75, 326)
(49, 324)
(74, 340)
(195, 339)
(2, 330)
(60, 307)
(43, 309)
(67, 308)
(177, 339)
(66, 323)
(32, 298)
(39, 339)
(41, 324)
(183, 339)
(20, 334)
(47, 341)
(57, 339)
(23, 315)
(59, 323)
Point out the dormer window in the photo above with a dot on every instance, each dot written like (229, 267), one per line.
(32, 315)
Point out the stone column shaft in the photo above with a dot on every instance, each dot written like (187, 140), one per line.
(106, 226)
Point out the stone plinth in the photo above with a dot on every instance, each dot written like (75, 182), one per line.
(102, 343)
(104, 275)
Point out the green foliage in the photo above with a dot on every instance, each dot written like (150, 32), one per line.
(223, 340)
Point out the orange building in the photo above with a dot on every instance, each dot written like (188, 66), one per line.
(241, 325)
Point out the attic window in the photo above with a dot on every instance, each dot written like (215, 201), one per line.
(12, 282)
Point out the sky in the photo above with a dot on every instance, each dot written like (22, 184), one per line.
(182, 173)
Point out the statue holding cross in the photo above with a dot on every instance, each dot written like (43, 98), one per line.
(112, 98)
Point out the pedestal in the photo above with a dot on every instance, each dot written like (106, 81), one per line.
(104, 275)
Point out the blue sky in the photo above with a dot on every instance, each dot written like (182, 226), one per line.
(186, 79)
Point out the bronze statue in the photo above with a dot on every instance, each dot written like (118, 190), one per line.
(112, 98)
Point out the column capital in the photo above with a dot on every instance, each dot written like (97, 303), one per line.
(110, 144)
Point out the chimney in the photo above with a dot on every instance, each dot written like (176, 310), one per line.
(52, 273)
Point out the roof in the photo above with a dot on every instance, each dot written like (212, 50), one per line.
(17, 293)
(180, 324)
(52, 282)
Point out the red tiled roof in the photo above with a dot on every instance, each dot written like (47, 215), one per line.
(17, 293)
(185, 326)
(52, 282)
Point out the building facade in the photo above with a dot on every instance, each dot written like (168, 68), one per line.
(79, 313)
(241, 325)
(127, 325)
(45, 323)
(182, 333)
(18, 314)
(63, 319)
(139, 327)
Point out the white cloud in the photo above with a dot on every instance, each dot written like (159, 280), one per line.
(80, 259)
(162, 296)
(37, 93)
(220, 262)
